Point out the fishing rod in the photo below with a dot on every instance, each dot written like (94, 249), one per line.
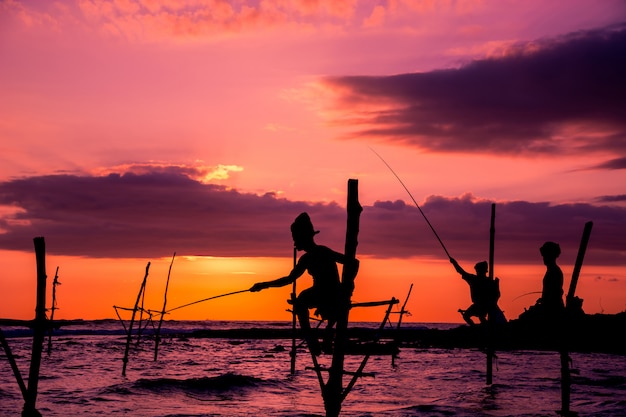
(525, 294)
(207, 299)
(415, 202)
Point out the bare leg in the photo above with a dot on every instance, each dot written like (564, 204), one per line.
(303, 317)
(327, 344)
(467, 317)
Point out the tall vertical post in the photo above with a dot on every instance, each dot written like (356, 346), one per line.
(490, 319)
(39, 330)
(293, 316)
(333, 391)
(492, 240)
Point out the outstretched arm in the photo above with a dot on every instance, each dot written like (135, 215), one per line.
(281, 282)
(457, 267)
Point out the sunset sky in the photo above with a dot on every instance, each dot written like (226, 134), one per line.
(131, 130)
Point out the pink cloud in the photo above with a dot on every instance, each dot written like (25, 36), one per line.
(126, 6)
(29, 17)
(377, 18)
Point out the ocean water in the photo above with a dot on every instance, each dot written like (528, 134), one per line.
(82, 376)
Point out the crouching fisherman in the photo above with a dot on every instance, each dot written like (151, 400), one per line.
(325, 294)
(484, 292)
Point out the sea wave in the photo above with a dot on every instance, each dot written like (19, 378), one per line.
(225, 382)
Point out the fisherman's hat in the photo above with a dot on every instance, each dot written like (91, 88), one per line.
(302, 226)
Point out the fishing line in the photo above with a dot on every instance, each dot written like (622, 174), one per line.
(415, 202)
(207, 299)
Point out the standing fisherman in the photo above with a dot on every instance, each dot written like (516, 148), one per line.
(321, 263)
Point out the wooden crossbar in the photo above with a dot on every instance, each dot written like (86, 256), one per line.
(375, 303)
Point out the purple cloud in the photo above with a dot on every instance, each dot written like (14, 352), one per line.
(611, 198)
(521, 227)
(617, 163)
(518, 103)
(155, 214)
(146, 215)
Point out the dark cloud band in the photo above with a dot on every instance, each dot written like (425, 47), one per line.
(154, 214)
(564, 95)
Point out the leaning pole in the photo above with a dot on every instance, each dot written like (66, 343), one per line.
(566, 378)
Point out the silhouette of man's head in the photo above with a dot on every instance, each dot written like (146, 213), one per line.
(302, 229)
(481, 267)
(550, 250)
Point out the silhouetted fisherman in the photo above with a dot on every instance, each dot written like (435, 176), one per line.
(484, 292)
(549, 309)
(551, 301)
(321, 263)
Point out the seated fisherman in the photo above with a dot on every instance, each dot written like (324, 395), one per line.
(325, 294)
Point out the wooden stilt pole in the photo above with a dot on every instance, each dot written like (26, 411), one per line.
(566, 381)
(132, 319)
(490, 319)
(293, 317)
(39, 330)
(566, 378)
(157, 339)
(141, 310)
(333, 392)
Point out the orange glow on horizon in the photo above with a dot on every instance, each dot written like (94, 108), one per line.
(91, 287)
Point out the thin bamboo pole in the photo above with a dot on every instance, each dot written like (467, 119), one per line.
(157, 339)
(132, 319)
(55, 283)
(140, 327)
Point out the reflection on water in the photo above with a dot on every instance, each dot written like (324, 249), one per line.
(218, 377)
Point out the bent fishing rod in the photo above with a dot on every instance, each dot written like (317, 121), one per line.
(415, 202)
(525, 294)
